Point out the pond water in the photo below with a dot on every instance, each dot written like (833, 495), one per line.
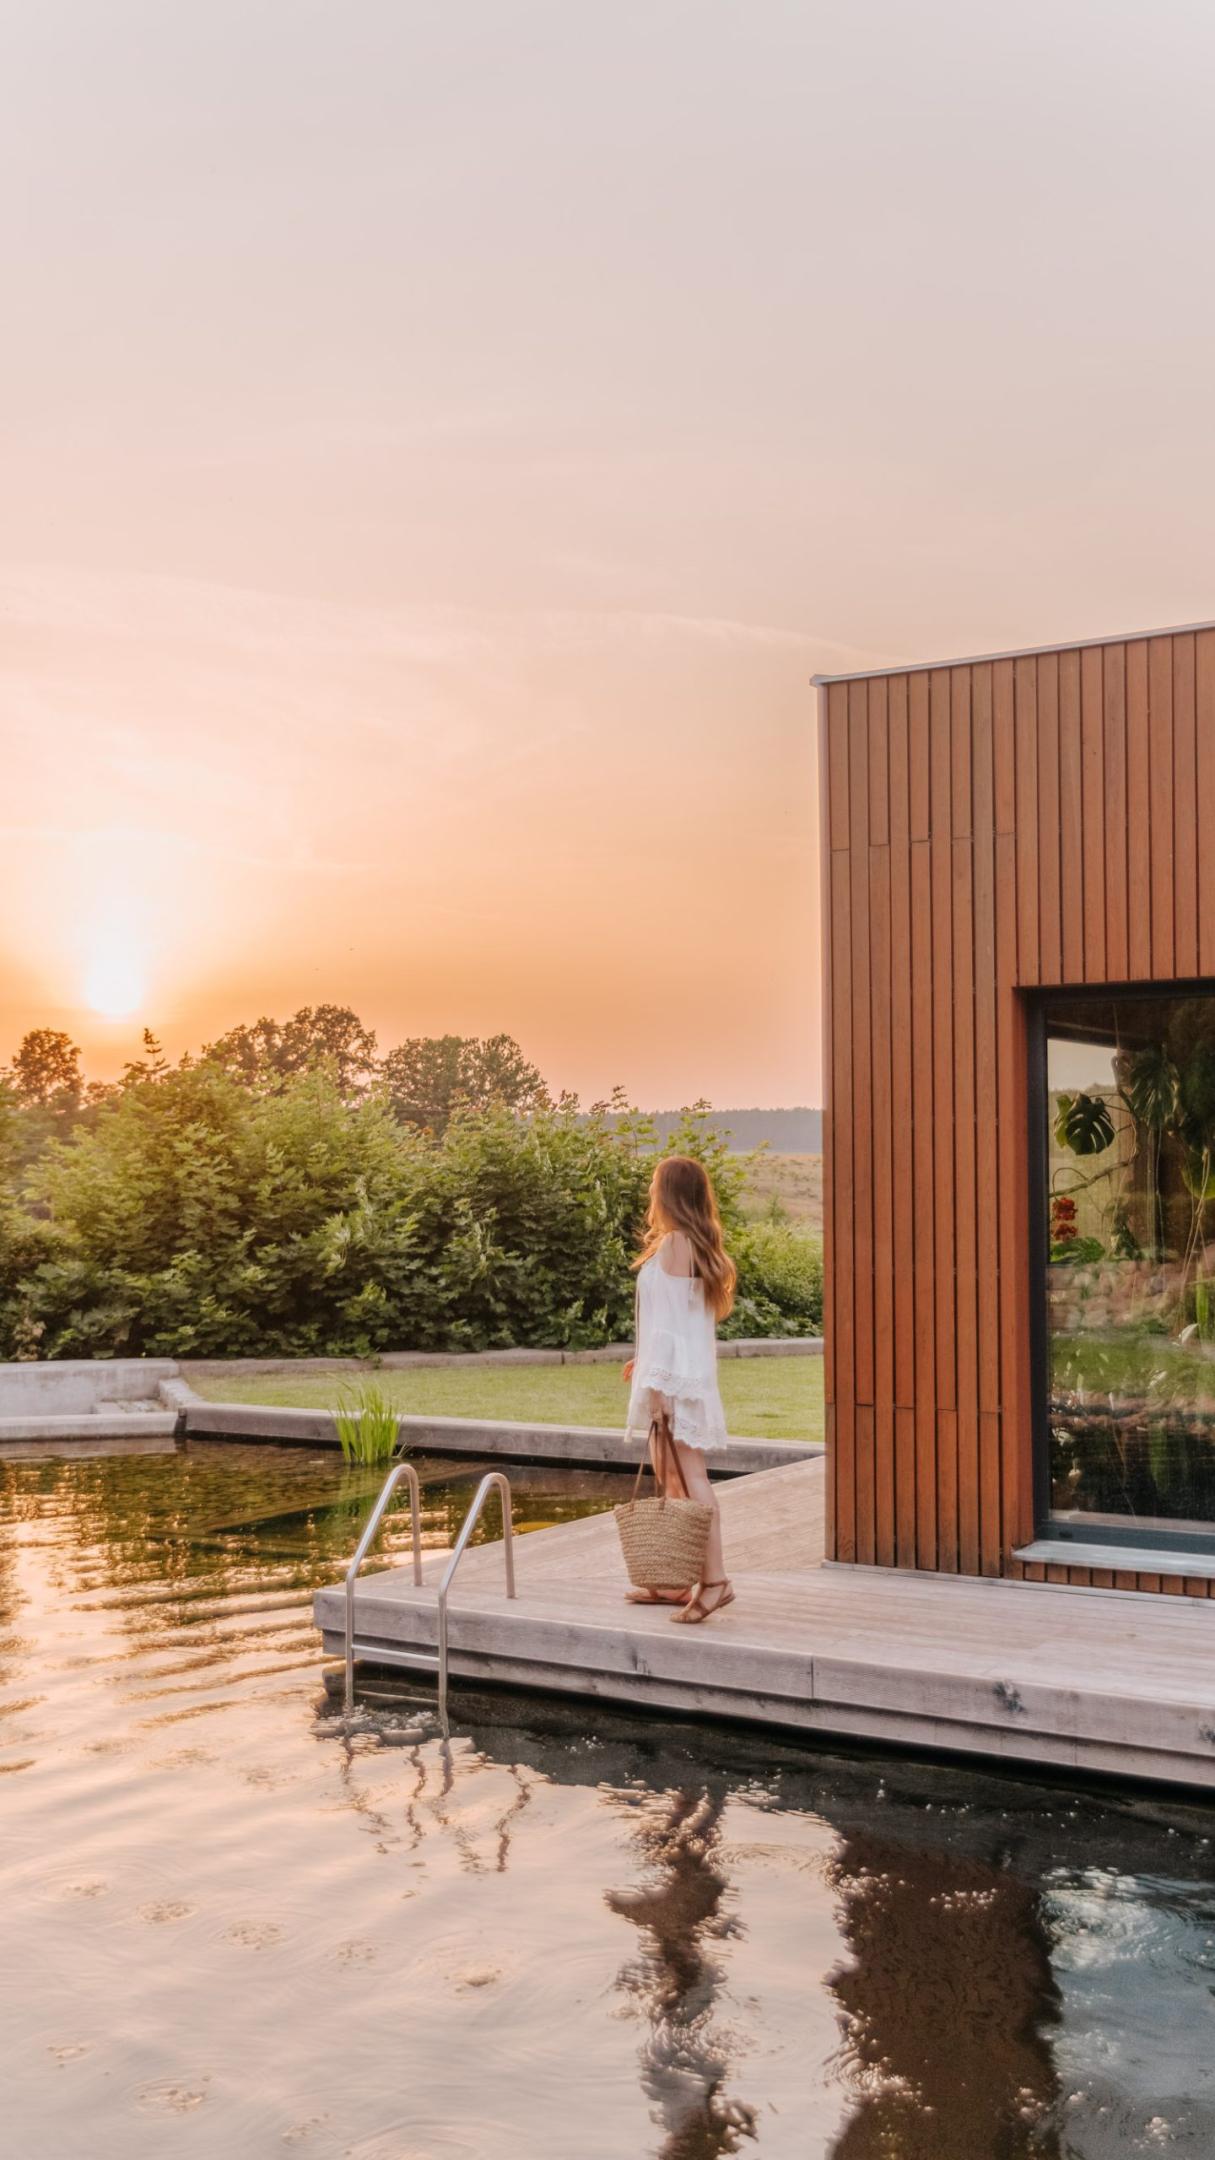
(235, 1928)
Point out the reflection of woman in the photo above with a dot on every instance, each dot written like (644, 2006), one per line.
(678, 1909)
(685, 1285)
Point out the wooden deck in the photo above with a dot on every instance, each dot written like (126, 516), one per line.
(1094, 1680)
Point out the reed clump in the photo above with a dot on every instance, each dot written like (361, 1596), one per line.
(367, 1424)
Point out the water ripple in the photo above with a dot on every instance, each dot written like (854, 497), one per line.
(238, 1923)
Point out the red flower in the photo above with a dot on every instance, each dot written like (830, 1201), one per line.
(1062, 1217)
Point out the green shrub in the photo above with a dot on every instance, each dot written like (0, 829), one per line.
(192, 1216)
(196, 1220)
(26, 1247)
(780, 1281)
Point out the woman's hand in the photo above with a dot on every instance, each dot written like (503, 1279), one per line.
(627, 1369)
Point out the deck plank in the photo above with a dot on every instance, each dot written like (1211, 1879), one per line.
(1091, 1678)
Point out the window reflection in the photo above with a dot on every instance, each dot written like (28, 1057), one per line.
(1130, 1274)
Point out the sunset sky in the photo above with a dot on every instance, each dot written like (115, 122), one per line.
(442, 441)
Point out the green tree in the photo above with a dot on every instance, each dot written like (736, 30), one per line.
(431, 1078)
(265, 1054)
(153, 1065)
(45, 1071)
(10, 1129)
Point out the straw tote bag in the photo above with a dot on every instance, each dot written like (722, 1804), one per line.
(663, 1540)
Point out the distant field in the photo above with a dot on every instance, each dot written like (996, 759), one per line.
(796, 1181)
(766, 1398)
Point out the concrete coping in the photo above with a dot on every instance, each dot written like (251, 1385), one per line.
(89, 1426)
(494, 1438)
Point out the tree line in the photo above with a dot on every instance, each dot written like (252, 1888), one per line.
(425, 1080)
(290, 1191)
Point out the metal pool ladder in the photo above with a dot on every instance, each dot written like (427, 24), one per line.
(423, 1660)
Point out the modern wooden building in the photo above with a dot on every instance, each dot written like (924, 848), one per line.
(1019, 1141)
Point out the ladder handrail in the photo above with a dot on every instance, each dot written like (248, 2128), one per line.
(406, 1470)
(400, 1470)
(491, 1479)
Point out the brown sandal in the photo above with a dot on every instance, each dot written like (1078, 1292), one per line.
(655, 1597)
(697, 1611)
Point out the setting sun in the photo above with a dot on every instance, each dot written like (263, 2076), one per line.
(114, 986)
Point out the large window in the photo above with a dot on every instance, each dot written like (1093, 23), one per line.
(1128, 1226)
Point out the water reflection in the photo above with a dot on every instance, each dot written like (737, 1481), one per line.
(947, 2007)
(678, 1908)
(296, 1927)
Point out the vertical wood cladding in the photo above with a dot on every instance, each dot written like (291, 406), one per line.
(988, 827)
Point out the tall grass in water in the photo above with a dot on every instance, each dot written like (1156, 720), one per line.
(366, 1424)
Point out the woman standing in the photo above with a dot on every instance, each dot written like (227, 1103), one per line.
(685, 1285)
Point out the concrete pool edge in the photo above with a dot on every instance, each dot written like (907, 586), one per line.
(177, 1411)
(92, 1399)
(500, 1439)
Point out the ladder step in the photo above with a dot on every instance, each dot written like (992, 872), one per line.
(378, 1655)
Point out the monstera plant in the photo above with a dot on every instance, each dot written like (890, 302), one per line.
(1083, 1123)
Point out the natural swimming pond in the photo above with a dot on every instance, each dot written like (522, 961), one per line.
(233, 1928)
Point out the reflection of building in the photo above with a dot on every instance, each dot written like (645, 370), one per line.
(947, 2006)
(1019, 912)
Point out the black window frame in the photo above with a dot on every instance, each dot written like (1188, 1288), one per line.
(1046, 1526)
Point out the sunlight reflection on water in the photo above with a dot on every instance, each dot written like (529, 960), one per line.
(235, 1927)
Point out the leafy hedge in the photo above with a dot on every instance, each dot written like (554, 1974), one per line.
(780, 1282)
(194, 1218)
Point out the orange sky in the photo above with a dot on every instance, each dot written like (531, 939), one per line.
(442, 441)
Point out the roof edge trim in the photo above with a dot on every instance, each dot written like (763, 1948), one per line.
(1021, 652)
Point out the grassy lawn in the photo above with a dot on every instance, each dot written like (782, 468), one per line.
(1135, 1365)
(765, 1398)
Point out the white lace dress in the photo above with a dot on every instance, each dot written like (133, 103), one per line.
(676, 1359)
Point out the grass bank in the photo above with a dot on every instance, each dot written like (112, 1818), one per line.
(768, 1398)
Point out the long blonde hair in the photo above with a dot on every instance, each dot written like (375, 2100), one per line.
(682, 1198)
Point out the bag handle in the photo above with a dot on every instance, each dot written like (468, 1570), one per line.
(667, 1458)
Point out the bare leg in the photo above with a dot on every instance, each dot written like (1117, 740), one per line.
(696, 1477)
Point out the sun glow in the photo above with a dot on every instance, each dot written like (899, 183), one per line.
(114, 985)
(116, 949)
(122, 923)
